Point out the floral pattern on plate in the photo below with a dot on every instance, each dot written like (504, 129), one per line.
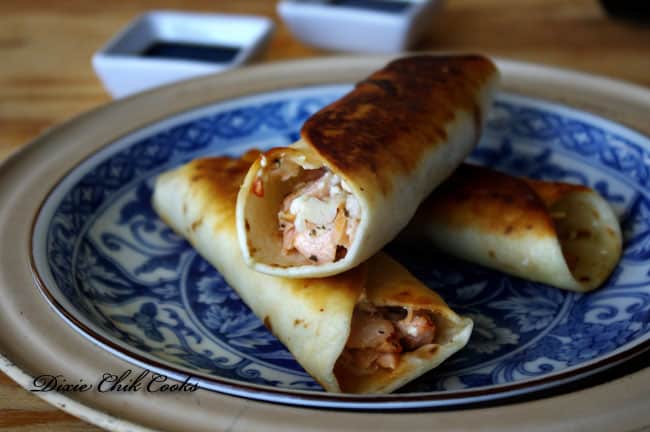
(127, 276)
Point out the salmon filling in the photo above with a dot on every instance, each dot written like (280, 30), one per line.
(380, 335)
(319, 217)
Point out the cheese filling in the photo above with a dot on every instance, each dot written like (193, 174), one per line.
(319, 218)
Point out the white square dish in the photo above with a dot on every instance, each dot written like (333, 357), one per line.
(161, 47)
(372, 26)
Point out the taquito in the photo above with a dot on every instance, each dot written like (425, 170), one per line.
(561, 234)
(368, 330)
(362, 166)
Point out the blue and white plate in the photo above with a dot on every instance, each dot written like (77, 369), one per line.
(113, 270)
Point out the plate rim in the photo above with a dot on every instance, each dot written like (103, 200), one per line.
(597, 86)
(295, 397)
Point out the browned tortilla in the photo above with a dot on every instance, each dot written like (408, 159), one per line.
(562, 234)
(392, 139)
(312, 317)
(385, 126)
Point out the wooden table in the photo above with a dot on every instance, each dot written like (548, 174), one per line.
(46, 76)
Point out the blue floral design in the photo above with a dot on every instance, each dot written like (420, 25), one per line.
(210, 290)
(133, 278)
(487, 337)
(145, 320)
(636, 230)
(218, 309)
(531, 311)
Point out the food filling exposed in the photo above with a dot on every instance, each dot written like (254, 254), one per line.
(379, 336)
(319, 217)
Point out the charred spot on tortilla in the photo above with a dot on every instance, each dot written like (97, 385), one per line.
(267, 323)
(196, 224)
(383, 84)
(360, 146)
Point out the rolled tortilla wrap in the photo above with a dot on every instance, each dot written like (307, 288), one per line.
(362, 166)
(343, 330)
(560, 234)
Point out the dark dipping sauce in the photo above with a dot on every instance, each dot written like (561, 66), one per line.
(190, 51)
(391, 6)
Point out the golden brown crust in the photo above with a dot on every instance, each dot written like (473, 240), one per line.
(220, 178)
(496, 202)
(382, 290)
(490, 201)
(550, 192)
(561, 234)
(389, 120)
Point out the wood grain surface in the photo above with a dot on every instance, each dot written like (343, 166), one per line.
(46, 77)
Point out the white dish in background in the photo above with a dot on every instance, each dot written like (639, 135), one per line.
(371, 26)
(125, 69)
(55, 347)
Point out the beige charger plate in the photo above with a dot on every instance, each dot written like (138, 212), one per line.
(34, 340)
